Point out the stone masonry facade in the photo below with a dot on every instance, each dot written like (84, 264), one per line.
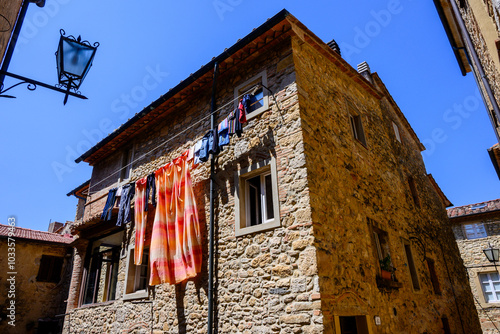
(485, 218)
(481, 18)
(318, 271)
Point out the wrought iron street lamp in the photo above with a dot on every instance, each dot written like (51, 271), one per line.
(492, 254)
(74, 58)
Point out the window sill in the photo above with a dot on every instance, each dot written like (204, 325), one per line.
(387, 284)
(257, 112)
(257, 228)
(361, 143)
(97, 304)
(142, 294)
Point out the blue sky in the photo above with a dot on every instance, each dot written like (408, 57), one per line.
(148, 47)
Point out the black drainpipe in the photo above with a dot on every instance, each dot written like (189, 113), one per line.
(211, 236)
(475, 60)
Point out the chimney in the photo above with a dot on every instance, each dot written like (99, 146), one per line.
(364, 70)
(55, 226)
(334, 46)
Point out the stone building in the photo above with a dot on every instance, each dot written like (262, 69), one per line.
(473, 29)
(41, 281)
(343, 189)
(476, 227)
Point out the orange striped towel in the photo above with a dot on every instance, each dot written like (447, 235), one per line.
(140, 219)
(175, 252)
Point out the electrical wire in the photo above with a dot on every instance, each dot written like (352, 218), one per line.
(491, 320)
(177, 135)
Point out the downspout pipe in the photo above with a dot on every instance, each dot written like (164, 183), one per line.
(476, 63)
(210, 324)
(15, 35)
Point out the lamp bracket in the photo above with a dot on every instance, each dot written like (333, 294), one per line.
(32, 85)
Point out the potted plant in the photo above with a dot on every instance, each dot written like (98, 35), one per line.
(386, 268)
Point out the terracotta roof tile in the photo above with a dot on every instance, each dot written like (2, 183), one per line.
(473, 209)
(25, 233)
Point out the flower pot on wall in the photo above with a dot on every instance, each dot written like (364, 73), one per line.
(385, 274)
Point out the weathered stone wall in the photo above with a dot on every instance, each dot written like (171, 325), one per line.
(349, 184)
(248, 268)
(485, 54)
(476, 262)
(34, 300)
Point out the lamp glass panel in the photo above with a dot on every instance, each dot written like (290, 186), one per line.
(495, 254)
(76, 57)
(489, 254)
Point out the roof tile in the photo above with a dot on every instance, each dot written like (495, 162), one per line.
(25, 233)
(473, 209)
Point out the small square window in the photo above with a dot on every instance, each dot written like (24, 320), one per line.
(396, 132)
(413, 190)
(256, 198)
(137, 276)
(259, 101)
(446, 325)
(490, 284)
(352, 324)
(381, 242)
(411, 265)
(100, 276)
(357, 128)
(434, 277)
(475, 231)
(50, 269)
(127, 158)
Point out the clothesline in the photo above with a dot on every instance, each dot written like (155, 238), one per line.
(175, 252)
(170, 139)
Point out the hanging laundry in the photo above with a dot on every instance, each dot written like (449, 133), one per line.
(246, 101)
(175, 251)
(190, 154)
(213, 142)
(196, 152)
(150, 186)
(223, 132)
(243, 115)
(141, 216)
(235, 125)
(203, 153)
(110, 203)
(124, 210)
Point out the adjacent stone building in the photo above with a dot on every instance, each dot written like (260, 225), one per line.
(39, 279)
(477, 227)
(344, 194)
(473, 29)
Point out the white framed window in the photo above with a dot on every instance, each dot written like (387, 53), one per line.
(256, 198)
(490, 284)
(136, 282)
(396, 132)
(259, 101)
(475, 231)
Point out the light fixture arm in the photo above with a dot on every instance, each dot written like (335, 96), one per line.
(36, 84)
